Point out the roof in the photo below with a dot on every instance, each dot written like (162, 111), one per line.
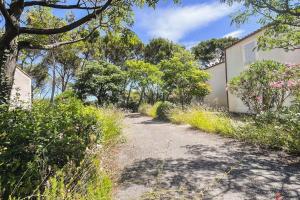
(214, 65)
(247, 36)
(21, 70)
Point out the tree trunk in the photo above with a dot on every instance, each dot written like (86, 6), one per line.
(53, 84)
(128, 97)
(9, 50)
(100, 102)
(141, 96)
(53, 79)
(8, 60)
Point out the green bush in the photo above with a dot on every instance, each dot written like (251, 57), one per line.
(36, 143)
(153, 110)
(163, 110)
(270, 135)
(280, 129)
(266, 85)
(149, 110)
(144, 109)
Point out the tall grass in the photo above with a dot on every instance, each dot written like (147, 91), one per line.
(150, 110)
(86, 182)
(111, 124)
(212, 122)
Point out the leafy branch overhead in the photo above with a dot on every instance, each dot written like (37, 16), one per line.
(26, 23)
(281, 18)
(212, 51)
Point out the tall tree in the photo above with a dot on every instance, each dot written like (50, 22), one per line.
(160, 49)
(142, 75)
(69, 62)
(182, 79)
(17, 35)
(212, 51)
(101, 80)
(281, 18)
(121, 46)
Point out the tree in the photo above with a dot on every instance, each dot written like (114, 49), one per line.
(142, 75)
(101, 80)
(160, 49)
(212, 51)
(182, 79)
(266, 85)
(68, 63)
(29, 61)
(281, 18)
(107, 14)
(119, 47)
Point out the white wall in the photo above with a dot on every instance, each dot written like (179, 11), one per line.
(217, 82)
(235, 65)
(21, 91)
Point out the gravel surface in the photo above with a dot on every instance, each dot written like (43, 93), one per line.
(165, 161)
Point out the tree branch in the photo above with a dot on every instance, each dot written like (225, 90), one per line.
(28, 45)
(59, 6)
(6, 15)
(68, 27)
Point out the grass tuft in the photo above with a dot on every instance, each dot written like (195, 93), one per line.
(212, 122)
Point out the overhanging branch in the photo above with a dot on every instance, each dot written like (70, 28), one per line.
(68, 27)
(29, 45)
(6, 15)
(59, 6)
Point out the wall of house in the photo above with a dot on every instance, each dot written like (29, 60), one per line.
(217, 82)
(21, 91)
(235, 60)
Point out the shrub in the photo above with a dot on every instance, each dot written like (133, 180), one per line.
(282, 125)
(163, 110)
(270, 135)
(144, 109)
(266, 85)
(38, 142)
(153, 109)
(150, 110)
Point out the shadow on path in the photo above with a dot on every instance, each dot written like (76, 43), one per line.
(197, 162)
(255, 175)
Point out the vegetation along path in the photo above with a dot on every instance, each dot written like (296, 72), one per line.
(165, 161)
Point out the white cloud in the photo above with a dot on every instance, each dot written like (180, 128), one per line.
(175, 22)
(190, 44)
(237, 34)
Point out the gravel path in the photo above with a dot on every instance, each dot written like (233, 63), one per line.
(165, 161)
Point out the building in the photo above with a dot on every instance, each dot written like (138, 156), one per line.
(21, 91)
(238, 58)
(217, 81)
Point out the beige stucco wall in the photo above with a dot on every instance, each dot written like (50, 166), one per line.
(217, 82)
(21, 91)
(235, 65)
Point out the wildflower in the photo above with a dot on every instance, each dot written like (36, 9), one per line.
(278, 196)
(291, 83)
(259, 98)
(290, 65)
(277, 84)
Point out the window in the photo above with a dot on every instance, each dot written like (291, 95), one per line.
(249, 53)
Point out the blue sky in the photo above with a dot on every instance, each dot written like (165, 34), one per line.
(189, 22)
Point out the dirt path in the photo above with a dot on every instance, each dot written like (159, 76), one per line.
(165, 161)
